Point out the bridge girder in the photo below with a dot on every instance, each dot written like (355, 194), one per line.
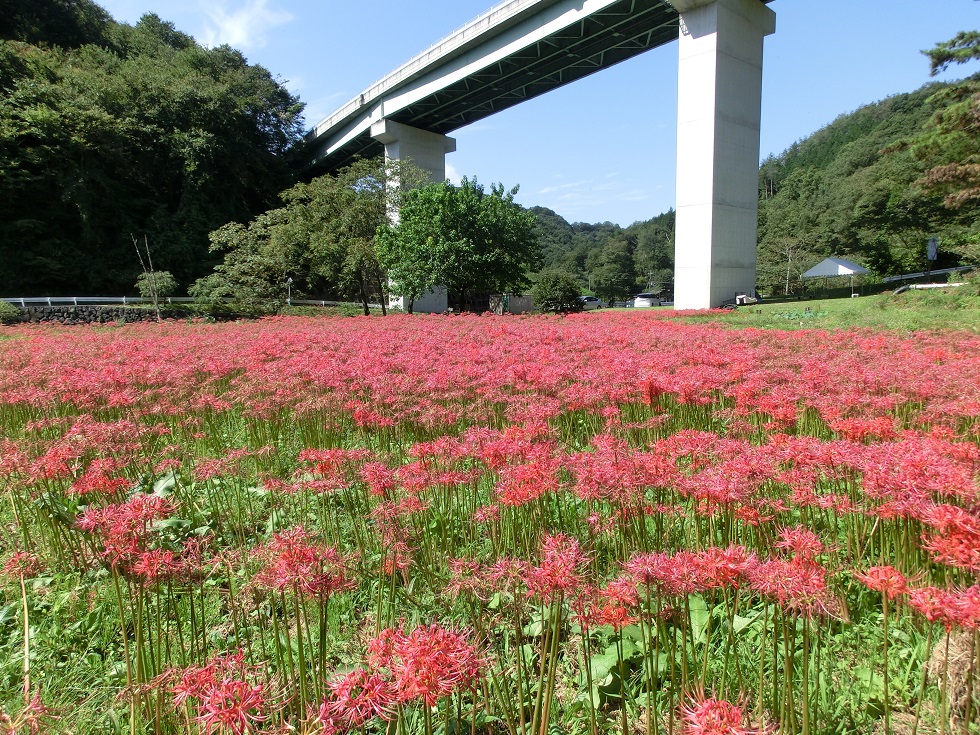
(615, 32)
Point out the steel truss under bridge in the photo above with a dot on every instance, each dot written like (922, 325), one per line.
(618, 31)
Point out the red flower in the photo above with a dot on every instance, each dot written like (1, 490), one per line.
(294, 561)
(715, 717)
(885, 579)
(558, 572)
(357, 697)
(226, 702)
(426, 664)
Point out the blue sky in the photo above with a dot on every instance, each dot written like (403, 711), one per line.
(601, 148)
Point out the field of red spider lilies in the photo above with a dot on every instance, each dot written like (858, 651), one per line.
(612, 523)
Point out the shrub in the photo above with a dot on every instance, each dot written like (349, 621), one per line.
(156, 283)
(8, 313)
(557, 292)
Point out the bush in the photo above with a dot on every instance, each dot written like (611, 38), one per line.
(557, 292)
(156, 283)
(8, 313)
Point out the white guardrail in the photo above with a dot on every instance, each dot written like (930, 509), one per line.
(923, 274)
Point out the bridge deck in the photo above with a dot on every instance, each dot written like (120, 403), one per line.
(517, 50)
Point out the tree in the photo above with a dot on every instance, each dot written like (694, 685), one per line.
(322, 238)
(556, 292)
(951, 143)
(612, 269)
(108, 129)
(949, 147)
(460, 237)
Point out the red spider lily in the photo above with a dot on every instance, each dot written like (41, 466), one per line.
(608, 606)
(293, 560)
(799, 588)
(522, 483)
(953, 537)
(559, 571)
(100, 477)
(156, 565)
(398, 556)
(334, 468)
(935, 604)
(804, 543)
(688, 572)
(951, 607)
(715, 717)
(428, 663)
(33, 718)
(225, 701)
(514, 445)
(124, 527)
(22, 564)
(379, 477)
(467, 576)
(884, 579)
(508, 574)
(486, 514)
(356, 698)
(612, 472)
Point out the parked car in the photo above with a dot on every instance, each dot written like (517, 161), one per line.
(645, 300)
(589, 303)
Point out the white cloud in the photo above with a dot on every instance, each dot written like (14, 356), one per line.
(562, 187)
(242, 27)
(452, 174)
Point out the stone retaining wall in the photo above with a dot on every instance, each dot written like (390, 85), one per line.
(85, 314)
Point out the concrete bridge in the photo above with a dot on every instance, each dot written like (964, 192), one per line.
(520, 49)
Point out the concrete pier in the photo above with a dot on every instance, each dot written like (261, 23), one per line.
(428, 151)
(425, 149)
(718, 120)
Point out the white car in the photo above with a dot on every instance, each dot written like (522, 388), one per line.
(645, 300)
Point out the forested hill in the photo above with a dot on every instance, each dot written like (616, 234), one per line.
(110, 132)
(615, 262)
(853, 189)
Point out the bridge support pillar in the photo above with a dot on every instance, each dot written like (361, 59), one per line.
(719, 103)
(428, 151)
(425, 149)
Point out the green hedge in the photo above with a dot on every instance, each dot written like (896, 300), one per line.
(8, 313)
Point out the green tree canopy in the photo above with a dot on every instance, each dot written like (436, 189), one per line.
(322, 238)
(460, 237)
(950, 144)
(612, 269)
(854, 189)
(556, 292)
(110, 131)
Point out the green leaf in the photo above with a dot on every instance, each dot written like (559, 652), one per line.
(700, 617)
(164, 484)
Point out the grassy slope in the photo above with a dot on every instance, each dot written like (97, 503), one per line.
(939, 309)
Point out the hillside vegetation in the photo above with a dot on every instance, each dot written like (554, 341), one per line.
(853, 189)
(110, 132)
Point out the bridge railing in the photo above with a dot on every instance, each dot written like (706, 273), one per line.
(496, 14)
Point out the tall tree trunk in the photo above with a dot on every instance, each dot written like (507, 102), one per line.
(364, 297)
(384, 295)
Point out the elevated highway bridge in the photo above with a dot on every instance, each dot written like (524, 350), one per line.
(520, 49)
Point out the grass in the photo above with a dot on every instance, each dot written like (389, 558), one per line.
(911, 311)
